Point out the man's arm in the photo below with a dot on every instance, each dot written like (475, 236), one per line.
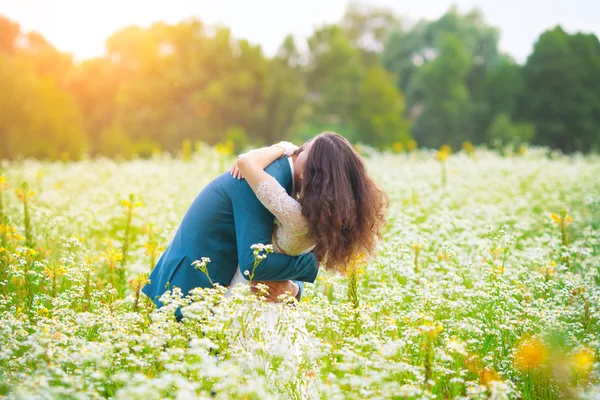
(300, 289)
(256, 226)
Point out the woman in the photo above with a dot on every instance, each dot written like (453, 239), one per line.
(336, 210)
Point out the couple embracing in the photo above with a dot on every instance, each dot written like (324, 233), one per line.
(315, 204)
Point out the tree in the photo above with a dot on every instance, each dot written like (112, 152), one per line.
(333, 74)
(187, 84)
(503, 132)
(46, 59)
(445, 108)
(95, 84)
(563, 90)
(501, 91)
(37, 118)
(368, 27)
(285, 94)
(408, 53)
(379, 115)
(9, 32)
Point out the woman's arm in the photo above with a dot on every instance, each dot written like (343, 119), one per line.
(250, 166)
(268, 190)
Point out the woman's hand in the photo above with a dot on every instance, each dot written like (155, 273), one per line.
(261, 158)
(235, 171)
(288, 147)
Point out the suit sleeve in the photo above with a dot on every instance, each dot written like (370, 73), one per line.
(255, 225)
(300, 289)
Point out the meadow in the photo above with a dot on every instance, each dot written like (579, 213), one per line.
(486, 286)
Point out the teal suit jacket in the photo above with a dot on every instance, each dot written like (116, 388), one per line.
(224, 220)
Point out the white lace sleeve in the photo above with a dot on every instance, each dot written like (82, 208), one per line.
(287, 210)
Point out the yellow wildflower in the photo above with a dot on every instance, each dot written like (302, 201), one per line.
(150, 248)
(112, 255)
(225, 149)
(468, 147)
(522, 150)
(416, 246)
(565, 218)
(548, 270)
(441, 156)
(24, 194)
(129, 204)
(530, 355)
(583, 361)
(54, 272)
(137, 282)
(488, 375)
(430, 329)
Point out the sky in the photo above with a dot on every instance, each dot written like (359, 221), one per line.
(80, 27)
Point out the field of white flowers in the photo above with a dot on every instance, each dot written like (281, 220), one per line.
(485, 287)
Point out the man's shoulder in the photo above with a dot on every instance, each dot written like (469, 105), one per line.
(280, 170)
(280, 165)
(230, 187)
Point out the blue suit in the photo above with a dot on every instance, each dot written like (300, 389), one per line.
(224, 220)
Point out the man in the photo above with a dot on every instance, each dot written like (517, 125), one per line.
(222, 223)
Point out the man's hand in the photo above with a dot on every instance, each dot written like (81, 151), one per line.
(276, 289)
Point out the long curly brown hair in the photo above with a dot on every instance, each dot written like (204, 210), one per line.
(344, 206)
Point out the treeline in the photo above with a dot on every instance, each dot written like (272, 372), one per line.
(371, 77)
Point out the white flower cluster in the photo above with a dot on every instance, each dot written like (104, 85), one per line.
(261, 251)
(201, 264)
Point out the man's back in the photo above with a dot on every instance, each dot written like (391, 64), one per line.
(224, 219)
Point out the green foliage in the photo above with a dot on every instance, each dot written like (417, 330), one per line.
(379, 115)
(454, 106)
(94, 84)
(37, 118)
(238, 137)
(406, 51)
(344, 91)
(368, 27)
(114, 142)
(310, 130)
(445, 106)
(286, 105)
(501, 91)
(446, 83)
(503, 132)
(144, 148)
(333, 74)
(9, 31)
(563, 90)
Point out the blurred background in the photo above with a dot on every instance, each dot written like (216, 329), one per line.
(133, 78)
